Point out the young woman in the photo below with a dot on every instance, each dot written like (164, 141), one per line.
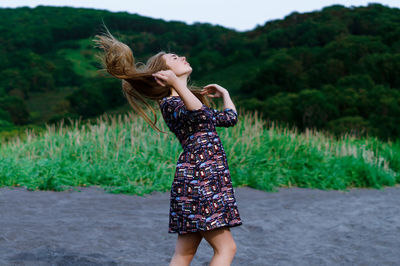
(202, 201)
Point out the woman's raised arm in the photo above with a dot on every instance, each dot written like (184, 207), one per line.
(190, 100)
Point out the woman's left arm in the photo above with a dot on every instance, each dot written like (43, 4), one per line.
(229, 116)
(228, 104)
(216, 91)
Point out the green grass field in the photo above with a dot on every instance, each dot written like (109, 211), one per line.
(123, 154)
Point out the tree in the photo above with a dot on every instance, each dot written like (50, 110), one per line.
(313, 109)
(17, 109)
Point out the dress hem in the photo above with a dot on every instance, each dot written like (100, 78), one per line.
(203, 230)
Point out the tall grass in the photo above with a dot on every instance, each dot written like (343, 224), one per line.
(122, 154)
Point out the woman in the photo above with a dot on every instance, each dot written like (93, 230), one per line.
(202, 201)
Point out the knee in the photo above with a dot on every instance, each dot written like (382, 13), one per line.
(186, 255)
(234, 248)
(186, 252)
(181, 258)
(227, 249)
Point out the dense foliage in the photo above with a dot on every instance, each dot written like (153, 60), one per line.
(123, 155)
(336, 69)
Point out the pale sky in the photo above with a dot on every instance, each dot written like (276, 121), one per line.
(241, 15)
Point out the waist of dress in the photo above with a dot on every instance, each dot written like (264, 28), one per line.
(197, 136)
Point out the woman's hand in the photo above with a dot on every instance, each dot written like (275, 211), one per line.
(214, 88)
(165, 77)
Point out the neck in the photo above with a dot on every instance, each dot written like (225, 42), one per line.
(173, 92)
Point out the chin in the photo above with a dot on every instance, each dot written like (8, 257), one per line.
(187, 72)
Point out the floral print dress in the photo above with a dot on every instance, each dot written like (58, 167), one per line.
(202, 197)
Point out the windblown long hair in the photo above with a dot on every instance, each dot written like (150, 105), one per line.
(138, 84)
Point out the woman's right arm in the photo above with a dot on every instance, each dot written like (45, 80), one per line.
(191, 102)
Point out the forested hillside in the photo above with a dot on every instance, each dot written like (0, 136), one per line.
(336, 69)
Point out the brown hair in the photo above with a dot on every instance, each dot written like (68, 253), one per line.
(138, 84)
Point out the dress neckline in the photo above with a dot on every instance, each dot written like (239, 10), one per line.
(170, 97)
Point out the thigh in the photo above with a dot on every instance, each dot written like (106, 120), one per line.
(188, 243)
(220, 238)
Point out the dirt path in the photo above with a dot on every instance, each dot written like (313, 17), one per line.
(294, 226)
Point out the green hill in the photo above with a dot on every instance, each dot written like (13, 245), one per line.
(334, 69)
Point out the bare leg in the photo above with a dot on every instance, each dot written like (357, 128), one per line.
(224, 246)
(186, 247)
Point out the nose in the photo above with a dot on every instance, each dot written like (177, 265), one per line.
(184, 58)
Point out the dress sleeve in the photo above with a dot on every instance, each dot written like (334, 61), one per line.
(226, 118)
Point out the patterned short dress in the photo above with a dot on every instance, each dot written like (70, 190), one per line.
(202, 197)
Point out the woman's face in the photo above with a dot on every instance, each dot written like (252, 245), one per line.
(178, 64)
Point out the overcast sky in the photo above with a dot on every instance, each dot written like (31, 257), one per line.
(241, 15)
